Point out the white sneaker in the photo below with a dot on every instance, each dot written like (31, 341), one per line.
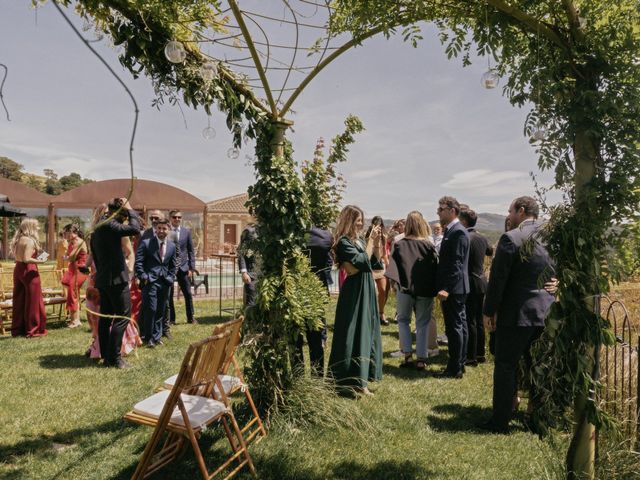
(397, 354)
(434, 352)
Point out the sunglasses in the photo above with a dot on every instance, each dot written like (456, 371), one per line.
(176, 216)
(154, 219)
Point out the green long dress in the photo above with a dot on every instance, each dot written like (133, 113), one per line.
(356, 350)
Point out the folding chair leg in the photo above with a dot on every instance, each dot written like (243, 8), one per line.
(256, 417)
(243, 444)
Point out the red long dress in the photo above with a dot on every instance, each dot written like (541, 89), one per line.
(75, 278)
(29, 316)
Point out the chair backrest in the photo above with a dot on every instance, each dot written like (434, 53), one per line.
(201, 365)
(233, 327)
(6, 284)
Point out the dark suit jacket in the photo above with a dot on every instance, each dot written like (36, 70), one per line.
(106, 250)
(479, 248)
(148, 233)
(186, 255)
(320, 243)
(453, 269)
(149, 267)
(520, 267)
(247, 260)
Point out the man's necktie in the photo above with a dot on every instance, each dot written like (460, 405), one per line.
(177, 230)
(162, 251)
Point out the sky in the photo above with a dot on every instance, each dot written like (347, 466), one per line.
(431, 129)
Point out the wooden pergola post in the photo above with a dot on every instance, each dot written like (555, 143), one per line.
(205, 239)
(51, 229)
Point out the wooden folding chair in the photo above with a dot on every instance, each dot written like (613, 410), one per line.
(182, 413)
(6, 302)
(235, 383)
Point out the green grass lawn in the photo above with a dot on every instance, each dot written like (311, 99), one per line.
(61, 417)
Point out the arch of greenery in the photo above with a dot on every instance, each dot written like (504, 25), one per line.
(576, 61)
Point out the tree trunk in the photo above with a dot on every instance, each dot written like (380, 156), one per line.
(580, 459)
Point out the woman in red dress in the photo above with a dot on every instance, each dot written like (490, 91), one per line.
(29, 316)
(74, 278)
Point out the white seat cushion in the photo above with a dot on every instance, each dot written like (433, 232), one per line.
(229, 382)
(201, 410)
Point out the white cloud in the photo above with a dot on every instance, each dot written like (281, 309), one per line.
(367, 174)
(485, 182)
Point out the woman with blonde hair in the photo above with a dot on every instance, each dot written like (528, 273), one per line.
(29, 316)
(356, 350)
(413, 266)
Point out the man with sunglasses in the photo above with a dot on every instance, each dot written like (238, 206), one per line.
(186, 265)
(453, 285)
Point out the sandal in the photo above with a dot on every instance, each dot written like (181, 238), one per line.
(408, 362)
(421, 364)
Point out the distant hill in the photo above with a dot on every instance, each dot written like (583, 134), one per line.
(491, 221)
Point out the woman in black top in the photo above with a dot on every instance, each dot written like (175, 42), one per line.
(413, 266)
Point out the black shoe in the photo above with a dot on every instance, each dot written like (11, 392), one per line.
(151, 344)
(167, 335)
(172, 322)
(122, 365)
(448, 374)
(493, 427)
(471, 363)
(193, 321)
(384, 322)
(481, 360)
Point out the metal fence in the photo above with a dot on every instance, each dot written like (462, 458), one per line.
(619, 371)
(218, 279)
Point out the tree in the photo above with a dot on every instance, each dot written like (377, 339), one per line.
(10, 169)
(71, 181)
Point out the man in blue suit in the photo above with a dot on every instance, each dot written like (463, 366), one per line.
(155, 269)
(453, 285)
(186, 265)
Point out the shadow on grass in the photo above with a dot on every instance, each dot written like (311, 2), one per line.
(42, 445)
(60, 361)
(453, 417)
(283, 466)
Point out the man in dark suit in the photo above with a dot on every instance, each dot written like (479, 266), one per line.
(112, 277)
(186, 265)
(516, 304)
(479, 248)
(155, 269)
(154, 216)
(247, 263)
(453, 285)
(319, 244)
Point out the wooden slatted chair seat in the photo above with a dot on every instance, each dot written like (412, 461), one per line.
(201, 411)
(180, 415)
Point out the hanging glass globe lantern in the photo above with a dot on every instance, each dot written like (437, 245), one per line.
(208, 71)
(86, 25)
(175, 52)
(209, 133)
(233, 153)
(539, 134)
(490, 79)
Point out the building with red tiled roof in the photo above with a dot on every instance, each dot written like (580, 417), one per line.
(226, 218)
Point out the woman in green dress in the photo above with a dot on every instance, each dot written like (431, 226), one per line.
(356, 350)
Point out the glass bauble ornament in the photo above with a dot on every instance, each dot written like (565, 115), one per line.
(209, 133)
(233, 153)
(208, 71)
(175, 52)
(490, 79)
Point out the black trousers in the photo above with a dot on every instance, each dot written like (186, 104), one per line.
(185, 287)
(114, 300)
(455, 326)
(511, 344)
(475, 326)
(250, 292)
(316, 340)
